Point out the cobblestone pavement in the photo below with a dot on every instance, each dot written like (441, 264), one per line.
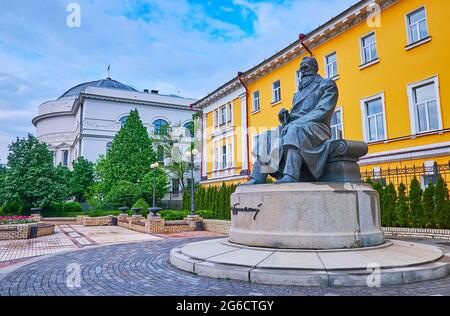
(67, 238)
(143, 269)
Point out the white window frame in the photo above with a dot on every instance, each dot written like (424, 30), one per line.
(363, 61)
(230, 113)
(223, 115)
(216, 118)
(64, 162)
(230, 155)
(364, 101)
(327, 64)
(412, 106)
(256, 104)
(341, 124)
(408, 25)
(224, 161)
(275, 90)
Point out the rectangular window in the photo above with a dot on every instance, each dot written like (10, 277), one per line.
(230, 112)
(216, 158)
(374, 119)
(216, 118)
(425, 106)
(369, 48)
(175, 186)
(230, 155)
(337, 125)
(417, 26)
(65, 158)
(223, 115)
(276, 91)
(331, 66)
(256, 102)
(224, 157)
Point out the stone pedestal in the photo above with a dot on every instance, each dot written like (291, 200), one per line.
(36, 217)
(154, 225)
(306, 216)
(192, 221)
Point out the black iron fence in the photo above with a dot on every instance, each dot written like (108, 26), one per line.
(425, 174)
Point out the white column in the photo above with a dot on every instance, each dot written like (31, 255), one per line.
(204, 147)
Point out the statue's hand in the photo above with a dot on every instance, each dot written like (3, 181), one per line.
(283, 116)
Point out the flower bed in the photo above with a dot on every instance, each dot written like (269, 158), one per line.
(16, 220)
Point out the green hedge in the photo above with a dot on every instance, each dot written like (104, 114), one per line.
(72, 207)
(429, 208)
(214, 199)
(172, 215)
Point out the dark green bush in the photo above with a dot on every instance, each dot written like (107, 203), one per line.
(15, 207)
(143, 205)
(171, 215)
(216, 200)
(100, 213)
(419, 209)
(73, 207)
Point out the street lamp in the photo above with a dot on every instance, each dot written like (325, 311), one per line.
(190, 157)
(154, 209)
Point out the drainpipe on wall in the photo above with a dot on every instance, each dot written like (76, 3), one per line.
(239, 76)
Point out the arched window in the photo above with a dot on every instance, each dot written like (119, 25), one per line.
(190, 129)
(108, 146)
(160, 127)
(123, 120)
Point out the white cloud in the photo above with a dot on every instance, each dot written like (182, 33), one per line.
(175, 46)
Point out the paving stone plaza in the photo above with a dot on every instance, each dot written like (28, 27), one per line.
(143, 268)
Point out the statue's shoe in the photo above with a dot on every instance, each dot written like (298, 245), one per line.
(286, 179)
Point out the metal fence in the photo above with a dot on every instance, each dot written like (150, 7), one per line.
(425, 174)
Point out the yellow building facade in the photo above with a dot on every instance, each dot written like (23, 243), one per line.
(390, 61)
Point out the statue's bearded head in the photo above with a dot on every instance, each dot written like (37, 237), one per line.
(308, 70)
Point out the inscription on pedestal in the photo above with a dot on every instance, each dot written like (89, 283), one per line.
(236, 210)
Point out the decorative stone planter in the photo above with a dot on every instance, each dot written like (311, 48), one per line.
(25, 231)
(136, 211)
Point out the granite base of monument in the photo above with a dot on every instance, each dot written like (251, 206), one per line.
(310, 234)
(306, 216)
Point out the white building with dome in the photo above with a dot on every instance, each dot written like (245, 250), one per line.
(85, 119)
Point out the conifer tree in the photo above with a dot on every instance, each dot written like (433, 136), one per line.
(427, 220)
(415, 203)
(130, 156)
(442, 207)
(402, 208)
(389, 202)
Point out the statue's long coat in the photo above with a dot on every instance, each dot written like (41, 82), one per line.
(309, 123)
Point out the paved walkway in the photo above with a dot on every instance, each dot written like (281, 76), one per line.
(75, 237)
(143, 269)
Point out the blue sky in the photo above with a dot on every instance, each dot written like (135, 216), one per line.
(188, 47)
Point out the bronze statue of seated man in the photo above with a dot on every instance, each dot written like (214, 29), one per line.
(305, 132)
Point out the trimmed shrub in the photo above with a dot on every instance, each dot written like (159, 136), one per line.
(402, 209)
(100, 213)
(15, 207)
(441, 212)
(142, 204)
(124, 193)
(427, 220)
(388, 206)
(73, 207)
(415, 204)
